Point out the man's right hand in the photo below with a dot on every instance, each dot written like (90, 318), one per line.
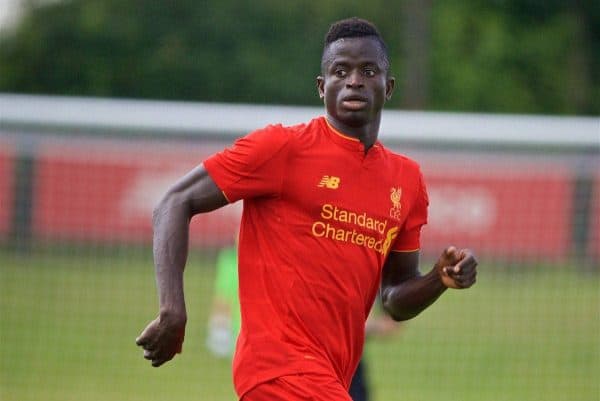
(162, 339)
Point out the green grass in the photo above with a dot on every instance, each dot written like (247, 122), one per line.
(68, 324)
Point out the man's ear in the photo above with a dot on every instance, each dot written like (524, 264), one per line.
(320, 86)
(389, 87)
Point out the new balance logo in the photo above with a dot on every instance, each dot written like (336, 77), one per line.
(330, 182)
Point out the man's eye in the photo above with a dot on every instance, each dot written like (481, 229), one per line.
(340, 73)
(369, 72)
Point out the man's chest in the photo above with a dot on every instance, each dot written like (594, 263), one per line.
(346, 191)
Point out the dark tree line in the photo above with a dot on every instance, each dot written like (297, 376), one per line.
(524, 56)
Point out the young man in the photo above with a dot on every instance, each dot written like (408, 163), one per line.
(330, 215)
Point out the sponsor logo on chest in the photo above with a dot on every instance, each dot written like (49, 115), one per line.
(360, 228)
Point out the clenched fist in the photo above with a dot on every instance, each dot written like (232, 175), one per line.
(162, 338)
(457, 268)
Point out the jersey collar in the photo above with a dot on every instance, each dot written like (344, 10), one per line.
(347, 141)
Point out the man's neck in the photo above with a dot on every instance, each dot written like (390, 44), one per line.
(366, 134)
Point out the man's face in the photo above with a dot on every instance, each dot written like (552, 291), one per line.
(355, 82)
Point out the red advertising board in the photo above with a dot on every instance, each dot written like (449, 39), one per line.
(594, 224)
(7, 162)
(107, 192)
(506, 208)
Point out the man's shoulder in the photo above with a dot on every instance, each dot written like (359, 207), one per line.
(287, 129)
(402, 160)
(280, 133)
(290, 129)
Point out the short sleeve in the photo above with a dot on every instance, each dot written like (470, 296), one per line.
(409, 238)
(253, 166)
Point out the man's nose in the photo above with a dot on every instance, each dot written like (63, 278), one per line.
(354, 80)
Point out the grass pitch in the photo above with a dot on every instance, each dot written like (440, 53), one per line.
(68, 324)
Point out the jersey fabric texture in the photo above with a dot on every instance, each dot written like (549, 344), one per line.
(299, 388)
(320, 217)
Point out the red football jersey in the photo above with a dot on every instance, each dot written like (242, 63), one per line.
(320, 216)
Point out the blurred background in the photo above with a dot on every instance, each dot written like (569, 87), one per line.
(104, 103)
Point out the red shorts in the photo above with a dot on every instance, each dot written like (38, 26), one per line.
(299, 388)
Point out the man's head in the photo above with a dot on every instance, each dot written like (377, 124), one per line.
(353, 28)
(354, 80)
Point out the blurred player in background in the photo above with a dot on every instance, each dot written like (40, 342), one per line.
(224, 318)
(330, 215)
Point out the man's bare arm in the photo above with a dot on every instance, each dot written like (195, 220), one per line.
(194, 193)
(405, 292)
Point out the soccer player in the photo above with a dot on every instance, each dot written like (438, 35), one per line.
(329, 216)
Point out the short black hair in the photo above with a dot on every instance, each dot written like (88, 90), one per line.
(354, 28)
